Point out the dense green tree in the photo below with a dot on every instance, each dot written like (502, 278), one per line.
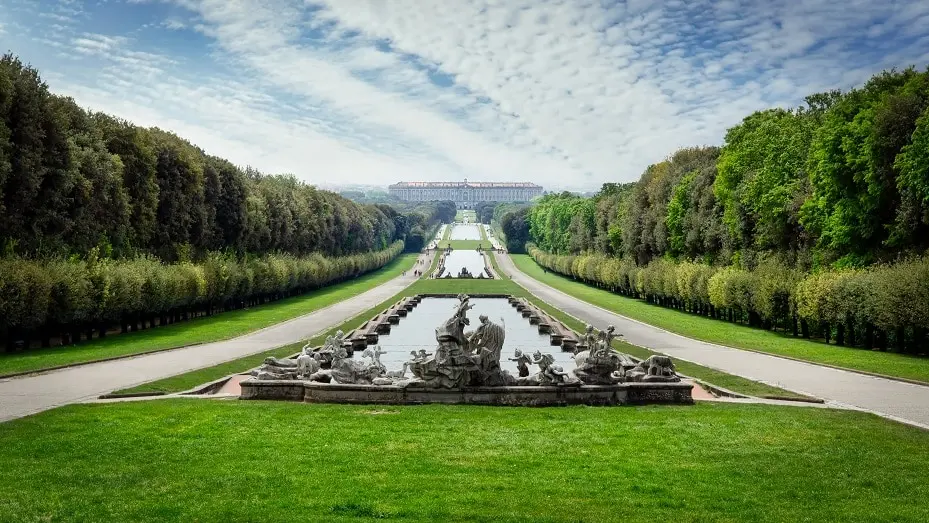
(71, 181)
(104, 222)
(912, 223)
(761, 170)
(133, 147)
(230, 207)
(181, 210)
(485, 212)
(99, 208)
(855, 195)
(611, 204)
(515, 226)
(813, 220)
(446, 211)
(36, 186)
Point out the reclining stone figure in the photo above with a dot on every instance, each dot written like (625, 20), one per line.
(656, 367)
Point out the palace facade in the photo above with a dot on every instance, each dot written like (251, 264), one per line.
(465, 194)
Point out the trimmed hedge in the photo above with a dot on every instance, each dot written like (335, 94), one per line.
(883, 306)
(68, 299)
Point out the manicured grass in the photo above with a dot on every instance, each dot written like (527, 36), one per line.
(730, 334)
(468, 245)
(201, 460)
(202, 330)
(432, 267)
(502, 285)
(461, 285)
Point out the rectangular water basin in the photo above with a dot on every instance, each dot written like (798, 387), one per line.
(417, 331)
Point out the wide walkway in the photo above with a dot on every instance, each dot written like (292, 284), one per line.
(892, 399)
(30, 394)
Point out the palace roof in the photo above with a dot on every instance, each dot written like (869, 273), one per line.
(465, 184)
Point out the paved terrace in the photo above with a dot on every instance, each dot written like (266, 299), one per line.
(889, 398)
(30, 394)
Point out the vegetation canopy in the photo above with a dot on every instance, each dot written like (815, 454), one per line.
(812, 220)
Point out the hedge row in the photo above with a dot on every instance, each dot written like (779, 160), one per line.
(65, 299)
(881, 306)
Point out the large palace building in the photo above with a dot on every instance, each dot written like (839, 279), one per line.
(465, 194)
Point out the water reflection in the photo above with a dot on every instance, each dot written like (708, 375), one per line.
(465, 231)
(471, 260)
(417, 331)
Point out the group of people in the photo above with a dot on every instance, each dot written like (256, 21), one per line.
(417, 272)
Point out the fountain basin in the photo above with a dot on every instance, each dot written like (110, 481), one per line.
(620, 394)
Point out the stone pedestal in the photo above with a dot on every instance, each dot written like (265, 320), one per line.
(620, 394)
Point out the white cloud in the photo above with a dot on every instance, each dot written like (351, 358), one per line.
(174, 24)
(564, 93)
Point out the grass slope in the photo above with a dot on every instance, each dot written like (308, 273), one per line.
(201, 330)
(730, 334)
(197, 460)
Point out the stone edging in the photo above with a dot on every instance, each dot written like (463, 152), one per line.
(130, 395)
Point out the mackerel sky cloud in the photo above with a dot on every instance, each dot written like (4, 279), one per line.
(565, 93)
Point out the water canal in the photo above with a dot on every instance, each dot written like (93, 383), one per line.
(465, 231)
(417, 331)
(467, 258)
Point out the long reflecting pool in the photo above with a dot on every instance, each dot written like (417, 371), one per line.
(465, 231)
(417, 331)
(471, 260)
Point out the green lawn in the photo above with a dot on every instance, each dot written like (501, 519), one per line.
(730, 334)
(201, 330)
(425, 285)
(201, 460)
(432, 267)
(469, 245)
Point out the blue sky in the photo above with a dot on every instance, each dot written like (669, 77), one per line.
(566, 93)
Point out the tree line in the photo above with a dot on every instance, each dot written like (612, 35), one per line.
(72, 180)
(422, 218)
(813, 220)
(104, 223)
(62, 301)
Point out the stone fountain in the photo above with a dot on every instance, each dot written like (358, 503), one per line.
(464, 367)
